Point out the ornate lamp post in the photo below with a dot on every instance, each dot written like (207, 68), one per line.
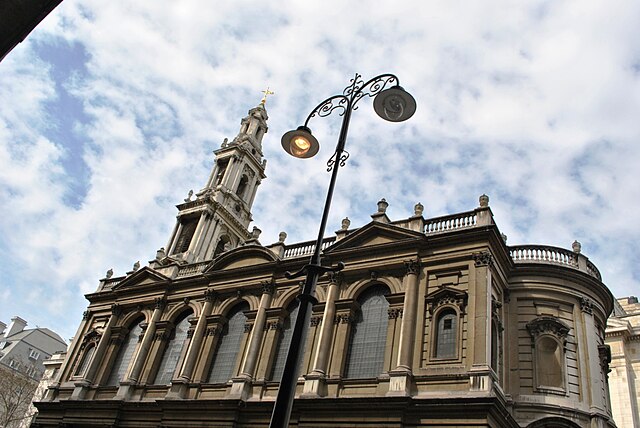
(393, 104)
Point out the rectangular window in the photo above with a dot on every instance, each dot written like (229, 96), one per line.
(34, 354)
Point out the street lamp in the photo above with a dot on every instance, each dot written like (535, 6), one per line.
(393, 104)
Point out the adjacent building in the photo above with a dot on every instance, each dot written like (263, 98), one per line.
(434, 322)
(22, 353)
(623, 336)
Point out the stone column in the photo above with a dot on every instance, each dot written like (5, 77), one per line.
(174, 240)
(343, 320)
(591, 357)
(409, 316)
(255, 340)
(241, 386)
(81, 387)
(323, 350)
(143, 349)
(179, 386)
(315, 383)
(66, 369)
(400, 379)
(480, 379)
(198, 335)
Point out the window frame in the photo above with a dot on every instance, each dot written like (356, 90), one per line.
(441, 312)
(548, 328)
(364, 295)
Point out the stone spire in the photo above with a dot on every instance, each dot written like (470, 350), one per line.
(217, 219)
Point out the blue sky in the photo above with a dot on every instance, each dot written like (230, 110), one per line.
(109, 112)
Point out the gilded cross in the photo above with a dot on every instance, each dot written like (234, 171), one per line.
(266, 93)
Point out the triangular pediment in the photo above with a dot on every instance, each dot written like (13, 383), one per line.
(250, 255)
(141, 277)
(375, 233)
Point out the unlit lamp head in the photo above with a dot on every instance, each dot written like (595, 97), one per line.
(394, 104)
(300, 143)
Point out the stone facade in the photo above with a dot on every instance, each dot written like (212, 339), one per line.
(433, 322)
(623, 336)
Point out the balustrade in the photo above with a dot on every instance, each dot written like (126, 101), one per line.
(450, 222)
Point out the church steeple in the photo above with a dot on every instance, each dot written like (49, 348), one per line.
(218, 217)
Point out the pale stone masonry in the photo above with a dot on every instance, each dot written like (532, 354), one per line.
(623, 336)
(434, 322)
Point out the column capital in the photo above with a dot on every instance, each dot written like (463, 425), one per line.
(213, 331)
(315, 321)
(412, 266)
(210, 295)
(586, 305)
(86, 315)
(268, 287)
(344, 319)
(483, 258)
(116, 310)
(159, 303)
(335, 277)
(395, 313)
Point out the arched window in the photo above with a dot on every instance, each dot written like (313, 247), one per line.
(86, 359)
(125, 353)
(242, 186)
(224, 360)
(285, 341)
(186, 234)
(222, 168)
(446, 337)
(368, 339)
(173, 350)
(222, 242)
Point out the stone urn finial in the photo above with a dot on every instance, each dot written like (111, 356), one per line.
(188, 198)
(282, 236)
(346, 223)
(382, 205)
(160, 254)
(255, 233)
(484, 201)
(577, 247)
(109, 273)
(418, 209)
(504, 237)
(136, 266)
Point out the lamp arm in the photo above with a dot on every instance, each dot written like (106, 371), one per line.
(357, 90)
(326, 107)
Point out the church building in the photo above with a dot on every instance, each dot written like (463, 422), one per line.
(433, 322)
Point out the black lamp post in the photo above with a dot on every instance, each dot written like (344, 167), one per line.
(393, 104)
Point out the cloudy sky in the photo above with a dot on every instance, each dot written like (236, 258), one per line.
(109, 112)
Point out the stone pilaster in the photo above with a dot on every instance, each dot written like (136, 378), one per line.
(241, 385)
(179, 386)
(400, 382)
(81, 387)
(315, 383)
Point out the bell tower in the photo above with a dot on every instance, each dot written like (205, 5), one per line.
(217, 219)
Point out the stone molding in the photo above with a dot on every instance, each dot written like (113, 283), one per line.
(548, 325)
